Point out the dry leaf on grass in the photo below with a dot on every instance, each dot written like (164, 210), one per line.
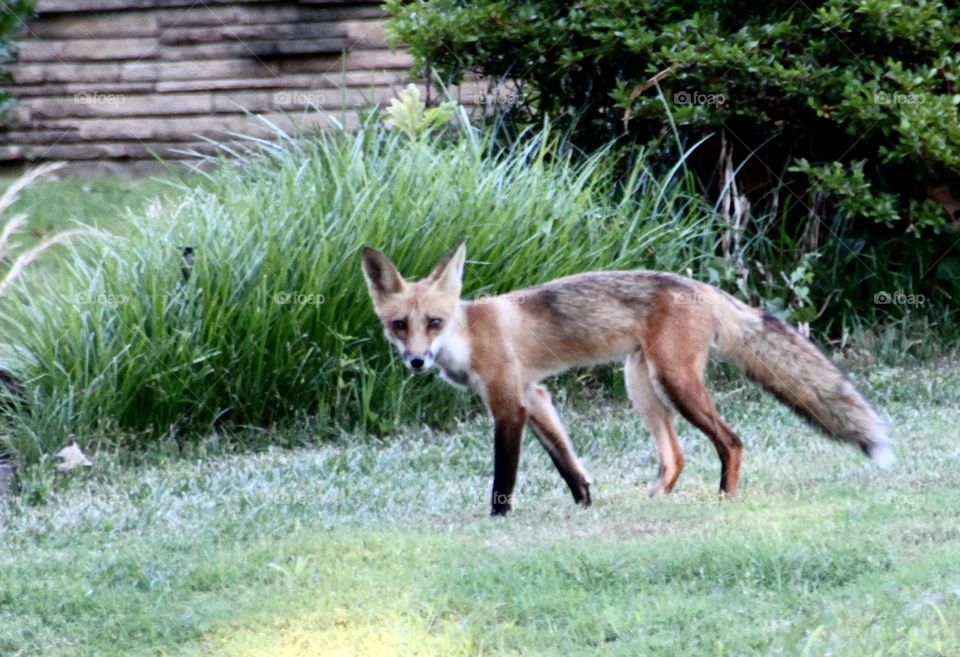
(72, 457)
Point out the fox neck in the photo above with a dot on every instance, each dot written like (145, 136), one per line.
(453, 350)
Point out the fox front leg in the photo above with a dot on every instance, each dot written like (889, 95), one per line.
(547, 427)
(507, 438)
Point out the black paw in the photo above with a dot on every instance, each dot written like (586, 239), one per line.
(582, 496)
(501, 504)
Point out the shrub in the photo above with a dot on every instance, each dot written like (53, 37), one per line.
(265, 318)
(844, 112)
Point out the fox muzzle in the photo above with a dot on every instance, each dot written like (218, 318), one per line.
(418, 362)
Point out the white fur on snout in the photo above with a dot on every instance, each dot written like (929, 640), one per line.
(406, 356)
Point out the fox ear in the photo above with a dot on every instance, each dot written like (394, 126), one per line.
(382, 276)
(448, 274)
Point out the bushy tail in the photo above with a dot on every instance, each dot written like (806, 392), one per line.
(775, 355)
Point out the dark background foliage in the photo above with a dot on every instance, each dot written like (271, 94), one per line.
(839, 117)
(12, 15)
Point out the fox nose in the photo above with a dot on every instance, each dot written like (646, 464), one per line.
(416, 363)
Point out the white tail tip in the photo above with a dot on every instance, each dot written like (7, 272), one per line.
(883, 456)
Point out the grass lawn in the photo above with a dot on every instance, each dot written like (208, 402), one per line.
(367, 547)
(104, 202)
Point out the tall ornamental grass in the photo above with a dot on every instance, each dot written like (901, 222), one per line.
(242, 304)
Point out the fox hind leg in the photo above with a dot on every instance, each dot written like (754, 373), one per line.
(676, 355)
(658, 418)
(683, 386)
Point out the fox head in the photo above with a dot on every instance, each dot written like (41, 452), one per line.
(415, 314)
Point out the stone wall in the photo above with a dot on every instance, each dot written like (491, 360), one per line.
(113, 82)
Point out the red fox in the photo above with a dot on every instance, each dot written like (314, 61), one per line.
(662, 326)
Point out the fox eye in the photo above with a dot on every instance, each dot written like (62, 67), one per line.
(434, 323)
(398, 325)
